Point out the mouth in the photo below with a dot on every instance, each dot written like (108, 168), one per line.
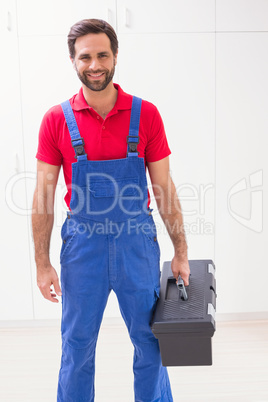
(95, 76)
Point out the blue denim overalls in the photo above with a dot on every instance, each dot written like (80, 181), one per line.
(109, 243)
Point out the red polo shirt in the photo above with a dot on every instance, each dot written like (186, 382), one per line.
(104, 138)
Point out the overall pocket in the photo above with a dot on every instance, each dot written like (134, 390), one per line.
(112, 198)
(149, 231)
(68, 232)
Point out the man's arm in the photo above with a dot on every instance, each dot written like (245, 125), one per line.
(170, 211)
(42, 224)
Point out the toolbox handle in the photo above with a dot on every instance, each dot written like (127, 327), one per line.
(182, 289)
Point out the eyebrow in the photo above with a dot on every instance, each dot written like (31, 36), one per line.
(99, 54)
(103, 54)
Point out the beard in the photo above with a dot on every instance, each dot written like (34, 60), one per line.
(96, 85)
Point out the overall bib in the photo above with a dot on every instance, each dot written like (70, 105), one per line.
(109, 243)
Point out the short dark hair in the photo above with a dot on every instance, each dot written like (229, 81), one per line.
(95, 26)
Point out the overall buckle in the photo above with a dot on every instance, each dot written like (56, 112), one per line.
(133, 142)
(79, 149)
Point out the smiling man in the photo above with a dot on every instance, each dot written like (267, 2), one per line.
(105, 139)
(95, 79)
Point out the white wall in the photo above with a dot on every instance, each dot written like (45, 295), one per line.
(204, 64)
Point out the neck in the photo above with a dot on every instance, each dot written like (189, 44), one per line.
(101, 101)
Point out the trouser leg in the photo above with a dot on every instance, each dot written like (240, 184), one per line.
(137, 293)
(85, 290)
(151, 382)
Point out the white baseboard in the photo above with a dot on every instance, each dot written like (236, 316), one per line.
(29, 323)
(114, 321)
(255, 316)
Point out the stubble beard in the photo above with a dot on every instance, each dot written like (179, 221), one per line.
(97, 85)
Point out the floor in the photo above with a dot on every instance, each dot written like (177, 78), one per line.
(30, 358)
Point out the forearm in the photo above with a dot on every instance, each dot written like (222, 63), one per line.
(42, 224)
(170, 211)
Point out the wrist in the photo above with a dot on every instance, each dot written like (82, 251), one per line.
(42, 261)
(181, 255)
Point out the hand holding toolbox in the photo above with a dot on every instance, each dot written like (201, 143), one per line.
(184, 318)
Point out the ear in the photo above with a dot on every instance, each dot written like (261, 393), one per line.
(73, 62)
(115, 58)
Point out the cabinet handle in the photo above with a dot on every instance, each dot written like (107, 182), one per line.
(9, 25)
(127, 18)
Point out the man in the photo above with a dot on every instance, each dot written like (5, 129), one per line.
(104, 138)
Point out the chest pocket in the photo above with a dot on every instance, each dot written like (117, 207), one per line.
(114, 188)
(117, 200)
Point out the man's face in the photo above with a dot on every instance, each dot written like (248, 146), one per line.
(94, 61)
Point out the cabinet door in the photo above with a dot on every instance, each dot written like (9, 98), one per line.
(44, 82)
(15, 285)
(242, 125)
(177, 74)
(47, 78)
(148, 16)
(52, 17)
(241, 15)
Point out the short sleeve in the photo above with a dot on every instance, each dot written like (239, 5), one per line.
(48, 150)
(157, 147)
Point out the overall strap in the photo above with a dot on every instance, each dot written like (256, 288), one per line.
(133, 136)
(77, 141)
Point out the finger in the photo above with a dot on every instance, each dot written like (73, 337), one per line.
(185, 278)
(52, 294)
(175, 272)
(45, 290)
(54, 300)
(176, 276)
(47, 295)
(186, 281)
(52, 297)
(57, 287)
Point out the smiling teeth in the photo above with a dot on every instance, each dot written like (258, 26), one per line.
(95, 75)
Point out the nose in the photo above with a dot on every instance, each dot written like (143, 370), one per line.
(94, 64)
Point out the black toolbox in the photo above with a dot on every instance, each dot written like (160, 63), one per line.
(184, 328)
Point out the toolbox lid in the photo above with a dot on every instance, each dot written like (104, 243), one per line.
(185, 327)
(194, 316)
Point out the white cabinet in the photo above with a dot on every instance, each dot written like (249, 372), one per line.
(52, 17)
(47, 78)
(241, 155)
(211, 90)
(177, 74)
(44, 70)
(157, 16)
(242, 15)
(16, 284)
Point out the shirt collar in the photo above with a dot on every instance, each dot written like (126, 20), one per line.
(123, 102)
